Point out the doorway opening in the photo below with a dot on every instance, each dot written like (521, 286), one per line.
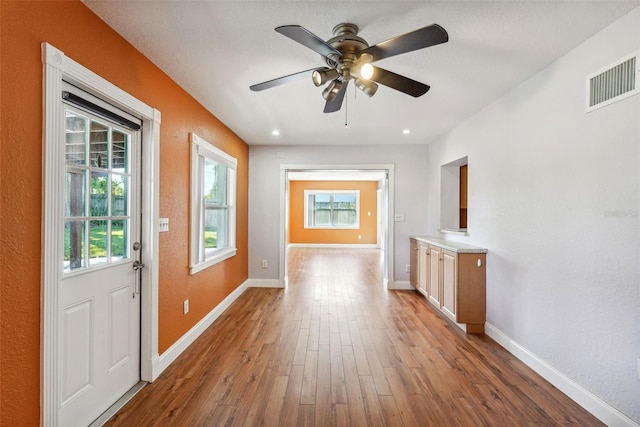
(335, 212)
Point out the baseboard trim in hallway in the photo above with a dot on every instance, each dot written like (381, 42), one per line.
(187, 339)
(583, 397)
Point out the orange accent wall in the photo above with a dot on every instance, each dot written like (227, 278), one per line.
(368, 203)
(81, 35)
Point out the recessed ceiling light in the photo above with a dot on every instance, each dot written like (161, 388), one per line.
(406, 131)
(275, 132)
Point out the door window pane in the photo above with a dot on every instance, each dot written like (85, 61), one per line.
(98, 192)
(74, 245)
(76, 138)
(98, 143)
(98, 242)
(118, 241)
(118, 195)
(119, 152)
(75, 182)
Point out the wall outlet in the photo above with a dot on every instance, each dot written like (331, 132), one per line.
(407, 269)
(265, 264)
(185, 306)
(399, 217)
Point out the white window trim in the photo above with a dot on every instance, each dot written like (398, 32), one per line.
(308, 210)
(200, 149)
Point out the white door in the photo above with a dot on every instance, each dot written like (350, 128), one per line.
(99, 301)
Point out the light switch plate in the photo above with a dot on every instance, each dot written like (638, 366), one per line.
(163, 225)
(399, 217)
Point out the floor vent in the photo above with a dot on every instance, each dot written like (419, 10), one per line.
(614, 83)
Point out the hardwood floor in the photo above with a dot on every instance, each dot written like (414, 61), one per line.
(336, 349)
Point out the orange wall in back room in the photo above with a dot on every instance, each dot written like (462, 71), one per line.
(71, 27)
(368, 224)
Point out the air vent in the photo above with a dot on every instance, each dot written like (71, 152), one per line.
(614, 83)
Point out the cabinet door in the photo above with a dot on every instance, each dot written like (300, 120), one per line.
(413, 263)
(422, 268)
(449, 283)
(435, 254)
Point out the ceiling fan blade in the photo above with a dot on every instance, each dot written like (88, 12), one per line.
(424, 37)
(399, 83)
(308, 39)
(336, 103)
(284, 79)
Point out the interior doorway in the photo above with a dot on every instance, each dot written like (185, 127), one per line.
(383, 175)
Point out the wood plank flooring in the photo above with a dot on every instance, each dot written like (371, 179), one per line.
(336, 349)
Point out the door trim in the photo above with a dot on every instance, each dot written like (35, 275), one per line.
(56, 67)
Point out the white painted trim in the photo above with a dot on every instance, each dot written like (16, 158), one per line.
(149, 329)
(201, 258)
(56, 67)
(264, 283)
(187, 339)
(583, 397)
(403, 285)
(335, 245)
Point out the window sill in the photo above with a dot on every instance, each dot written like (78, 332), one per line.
(220, 256)
(456, 231)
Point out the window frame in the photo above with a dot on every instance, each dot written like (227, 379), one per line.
(309, 211)
(200, 257)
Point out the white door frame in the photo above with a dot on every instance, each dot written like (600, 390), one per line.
(56, 67)
(388, 235)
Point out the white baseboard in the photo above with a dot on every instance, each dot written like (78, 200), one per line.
(264, 283)
(403, 285)
(335, 245)
(589, 401)
(165, 359)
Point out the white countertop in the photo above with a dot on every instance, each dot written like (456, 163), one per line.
(461, 248)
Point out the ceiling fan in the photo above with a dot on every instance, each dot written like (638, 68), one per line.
(349, 57)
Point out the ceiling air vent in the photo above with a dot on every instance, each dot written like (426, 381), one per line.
(614, 83)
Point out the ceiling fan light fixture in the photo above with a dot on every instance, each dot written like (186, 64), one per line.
(369, 88)
(330, 92)
(366, 71)
(320, 77)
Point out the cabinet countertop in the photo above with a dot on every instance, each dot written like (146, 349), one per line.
(457, 247)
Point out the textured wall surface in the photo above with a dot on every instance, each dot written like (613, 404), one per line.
(554, 194)
(74, 29)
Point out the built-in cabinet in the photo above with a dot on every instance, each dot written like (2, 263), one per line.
(452, 276)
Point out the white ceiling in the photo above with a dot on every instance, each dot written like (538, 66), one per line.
(216, 49)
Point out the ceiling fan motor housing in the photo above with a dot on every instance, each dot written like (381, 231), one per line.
(346, 41)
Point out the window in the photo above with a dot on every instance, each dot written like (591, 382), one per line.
(213, 200)
(332, 209)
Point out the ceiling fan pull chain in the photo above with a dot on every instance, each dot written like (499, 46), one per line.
(346, 109)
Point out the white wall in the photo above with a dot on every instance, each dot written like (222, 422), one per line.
(554, 196)
(264, 194)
